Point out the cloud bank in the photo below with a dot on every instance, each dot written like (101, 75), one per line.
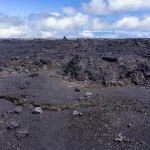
(110, 6)
(85, 23)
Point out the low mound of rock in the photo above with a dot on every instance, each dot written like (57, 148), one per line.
(109, 70)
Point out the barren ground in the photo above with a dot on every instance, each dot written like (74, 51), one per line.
(106, 80)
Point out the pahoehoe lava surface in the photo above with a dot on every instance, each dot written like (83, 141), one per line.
(75, 94)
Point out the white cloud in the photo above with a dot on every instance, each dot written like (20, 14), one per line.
(127, 23)
(11, 26)
(133, 23)
(97, 24)
(69, 11)
(11, 32)
(86, 34)
(45, 34)
(54, 24)
(11, 20)
(55, 14)
(65, 24)
(103, 6)
(95, 6)
(128, 5)
(145, 24)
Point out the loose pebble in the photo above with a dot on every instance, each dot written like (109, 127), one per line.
(77, 113)
(119, 138)
(37, 110)
(77, 90)
(88, 94)
(18, 109)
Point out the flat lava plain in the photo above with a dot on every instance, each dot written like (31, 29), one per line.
(79, 94)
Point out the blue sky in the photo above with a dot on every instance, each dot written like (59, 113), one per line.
(25, 7)
(74, 18)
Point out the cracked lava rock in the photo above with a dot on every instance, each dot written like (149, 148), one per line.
(86, 94)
